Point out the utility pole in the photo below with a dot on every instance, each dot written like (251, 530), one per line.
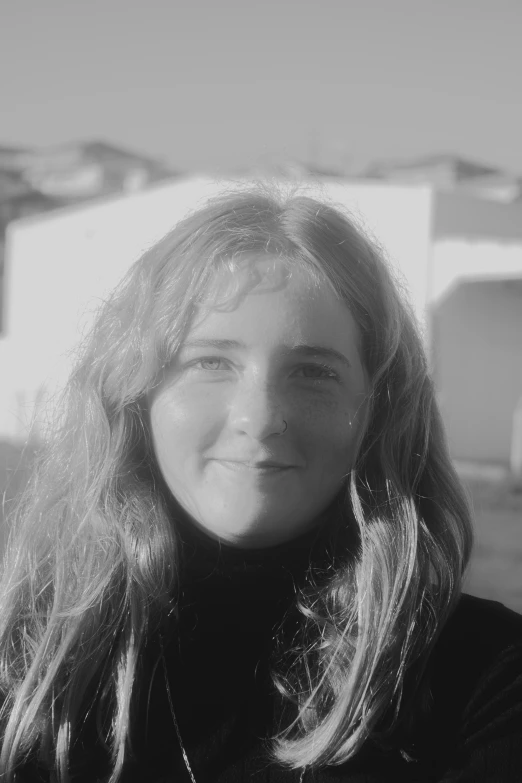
(516, 442)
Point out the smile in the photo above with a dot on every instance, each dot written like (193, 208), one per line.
(254, 468)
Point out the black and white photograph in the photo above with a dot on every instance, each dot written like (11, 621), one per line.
(261, 391)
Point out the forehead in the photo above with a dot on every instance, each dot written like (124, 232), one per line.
(265, 300)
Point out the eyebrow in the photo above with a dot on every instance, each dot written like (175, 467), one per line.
(300, 348)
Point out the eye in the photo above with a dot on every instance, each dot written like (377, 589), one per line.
(317, 372)
(210, 363)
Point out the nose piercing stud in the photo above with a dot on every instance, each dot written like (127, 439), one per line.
(285, 429)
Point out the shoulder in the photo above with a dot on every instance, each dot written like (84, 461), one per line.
(488, 622)
(481, 639)
(475, 691)
(478, 634)
(475, 615)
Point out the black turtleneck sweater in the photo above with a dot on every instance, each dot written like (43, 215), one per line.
(217, 664)
(231, 606)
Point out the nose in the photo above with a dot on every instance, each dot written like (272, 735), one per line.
(257, 410)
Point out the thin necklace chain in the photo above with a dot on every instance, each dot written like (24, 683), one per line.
(176, 725)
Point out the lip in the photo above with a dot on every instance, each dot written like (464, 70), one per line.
(264, 466)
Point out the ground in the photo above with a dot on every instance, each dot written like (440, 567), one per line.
(496, 567)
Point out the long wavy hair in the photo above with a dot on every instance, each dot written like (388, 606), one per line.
(93, 560)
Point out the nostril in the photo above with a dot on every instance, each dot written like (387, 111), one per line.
(258, 413)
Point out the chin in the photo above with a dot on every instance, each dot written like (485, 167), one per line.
(257, 540)
(259, 535)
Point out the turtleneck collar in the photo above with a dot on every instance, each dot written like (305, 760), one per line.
(203, 556)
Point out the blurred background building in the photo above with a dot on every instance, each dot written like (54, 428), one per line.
(79, 215)
(35, 181)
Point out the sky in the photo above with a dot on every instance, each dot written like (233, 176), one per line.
(214, 84)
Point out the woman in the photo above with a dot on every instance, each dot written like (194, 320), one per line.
(241, 557)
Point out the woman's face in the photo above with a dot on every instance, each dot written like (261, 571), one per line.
(254, 424)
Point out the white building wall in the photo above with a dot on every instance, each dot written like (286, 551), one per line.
(475, 303)
(61, 265)
(457, 260)
(477, 344)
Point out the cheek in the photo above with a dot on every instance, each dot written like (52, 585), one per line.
(184, 417)
(174, 438)
(331, 427)
(178, 435)
(326, 415)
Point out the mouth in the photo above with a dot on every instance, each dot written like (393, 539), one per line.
(264, 467)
